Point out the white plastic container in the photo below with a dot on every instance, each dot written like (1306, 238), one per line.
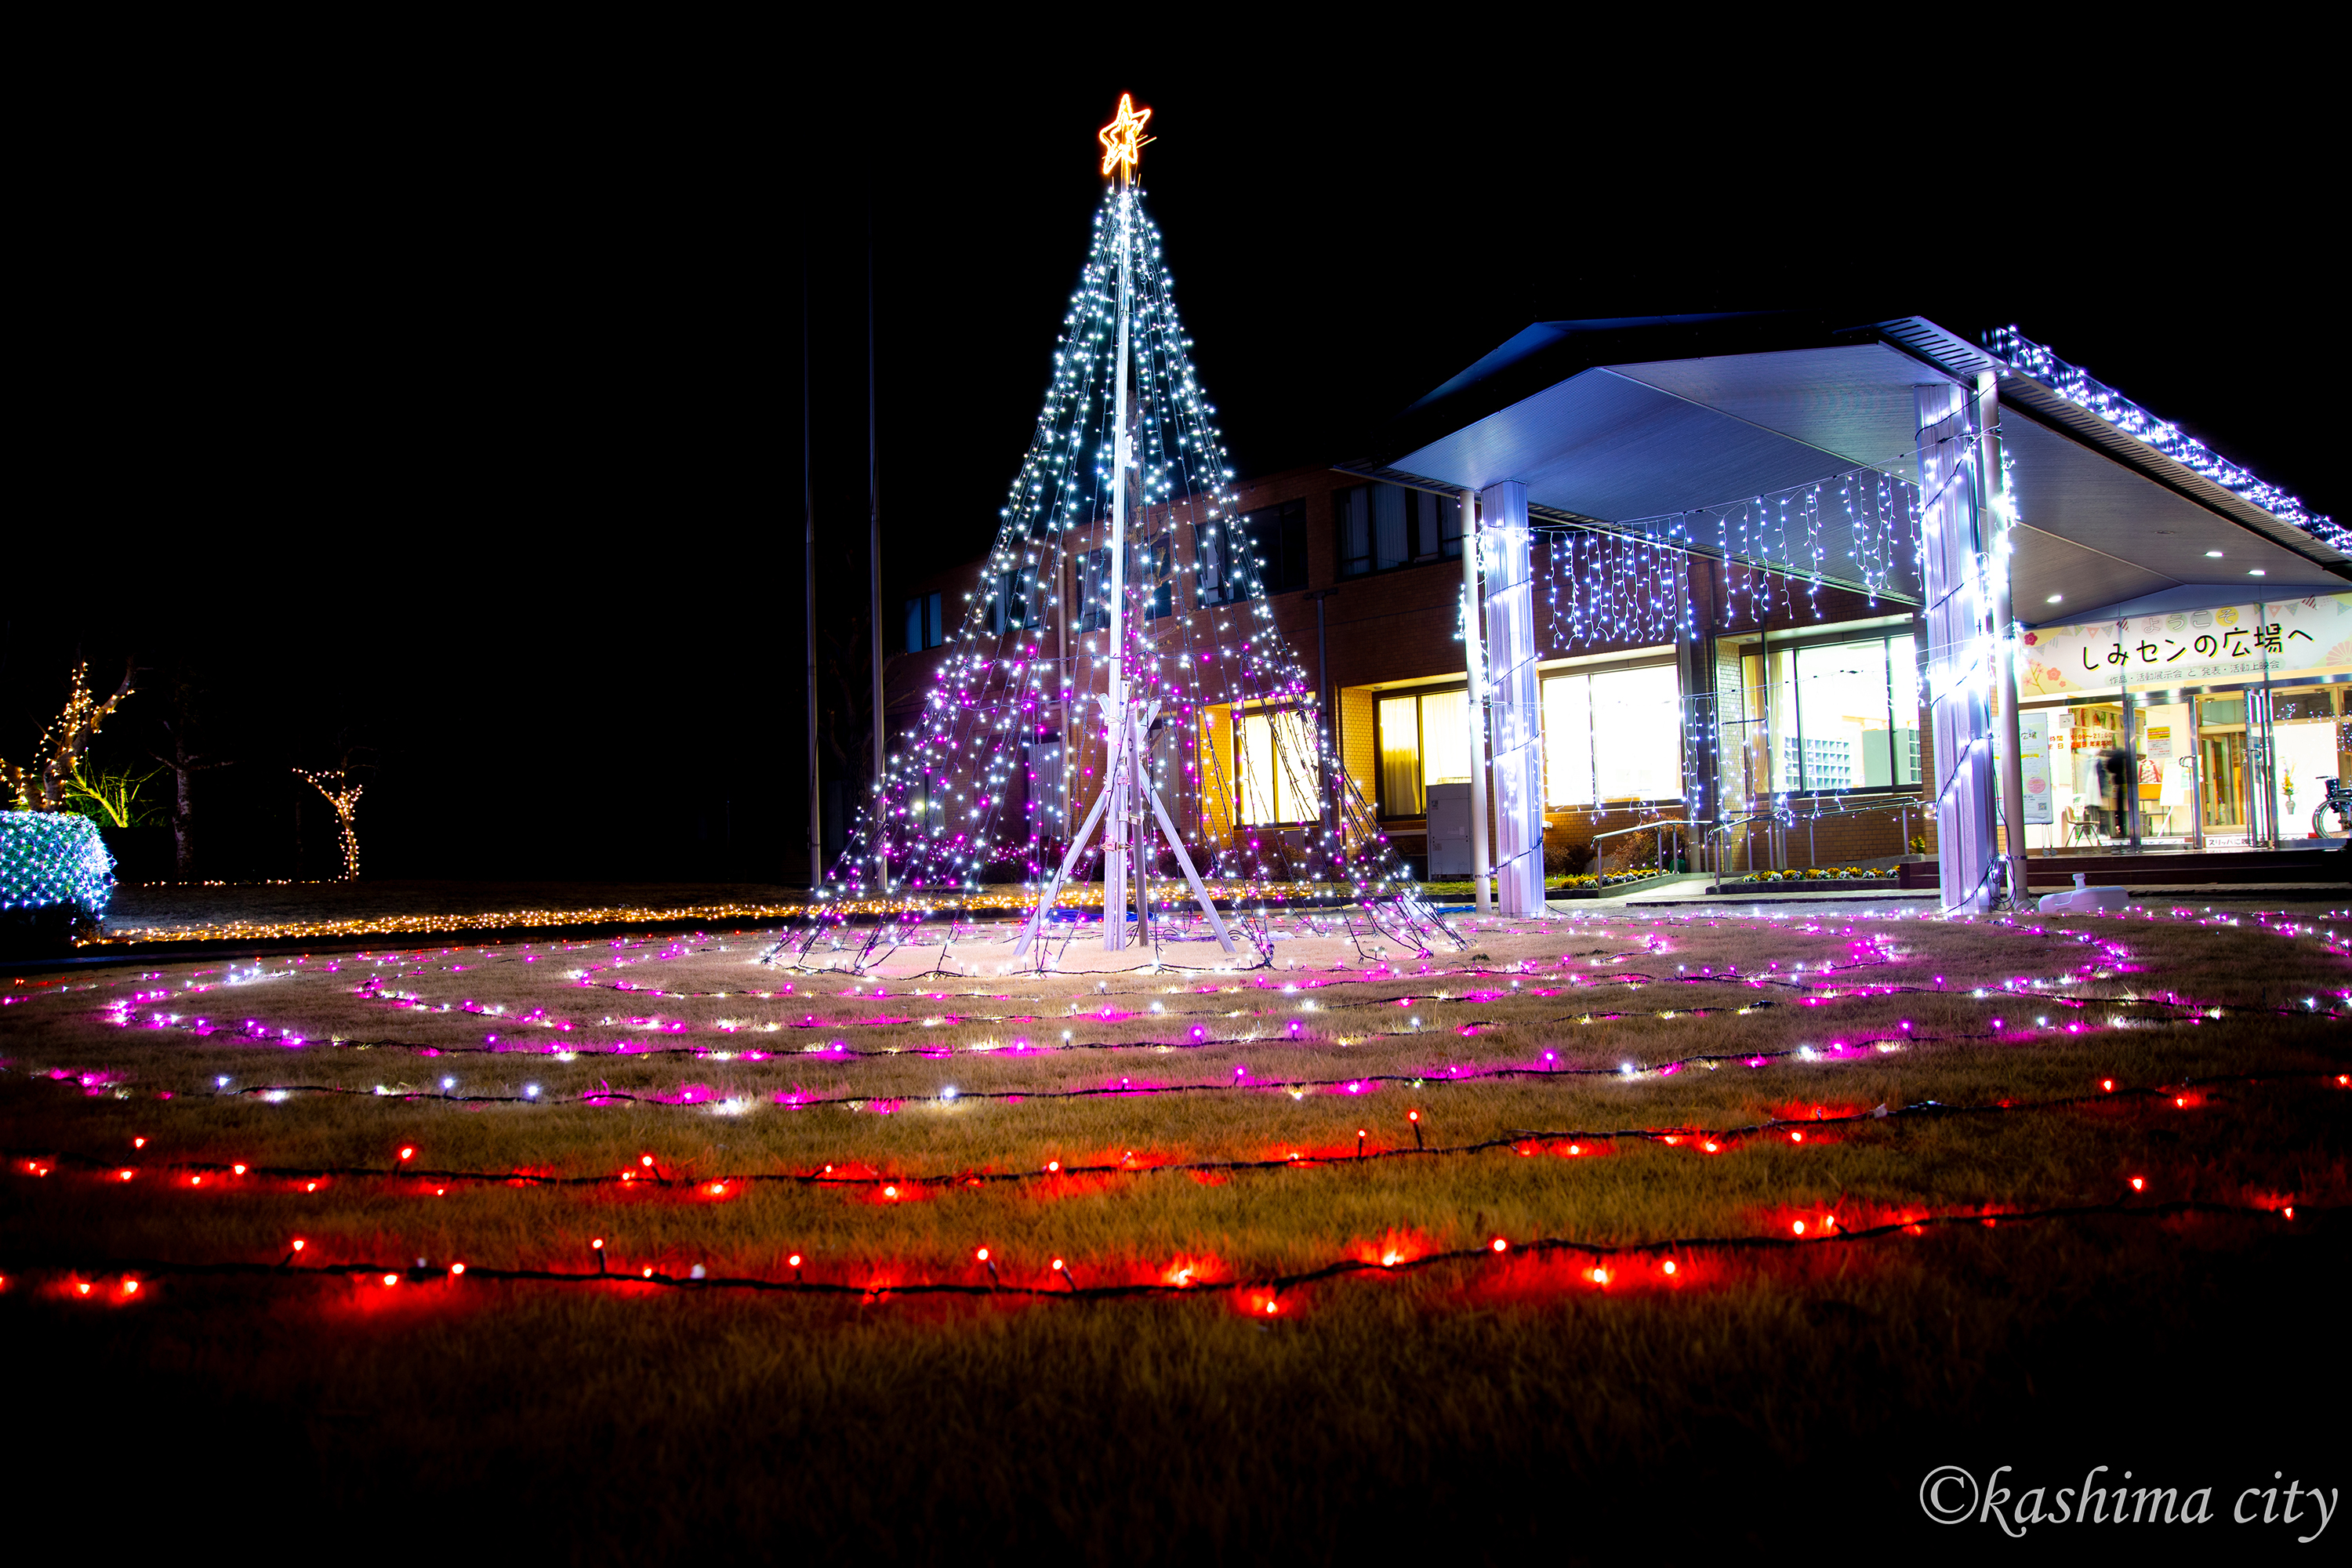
(2083, 897)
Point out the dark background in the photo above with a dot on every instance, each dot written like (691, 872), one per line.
(455, 425)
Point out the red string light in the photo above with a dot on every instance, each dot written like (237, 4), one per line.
(1263, 1289)
(1128, 1163)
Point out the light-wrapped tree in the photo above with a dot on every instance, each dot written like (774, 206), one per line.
(48, 784)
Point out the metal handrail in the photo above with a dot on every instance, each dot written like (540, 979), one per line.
(1639, 827)
(1710, 832)
(1643, 827)
(1909, 804)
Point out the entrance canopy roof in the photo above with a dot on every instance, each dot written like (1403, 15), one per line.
(1651, 426)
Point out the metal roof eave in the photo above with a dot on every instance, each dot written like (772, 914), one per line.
(1946, 350)
(1548, 353)
(1963, 360)
(2057, 412)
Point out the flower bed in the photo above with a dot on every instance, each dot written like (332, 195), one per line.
(1606, 886)
(1842, 877)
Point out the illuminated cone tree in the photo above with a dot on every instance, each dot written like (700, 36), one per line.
(1119, 694)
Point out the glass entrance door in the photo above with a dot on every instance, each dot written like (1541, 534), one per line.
(2222, 783)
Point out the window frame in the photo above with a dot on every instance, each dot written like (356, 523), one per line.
(1761, 649)
(1153, 562)
(1213, 544)
(1600, 803)
(1274, 539)
(1425, 512)
(1093, 588)
(1005, 593)
(1241, 714)
(1380, 803)
(925, 615)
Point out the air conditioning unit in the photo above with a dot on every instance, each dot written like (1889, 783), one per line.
(1449, 829)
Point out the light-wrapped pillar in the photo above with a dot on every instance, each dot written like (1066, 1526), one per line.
(1515, 705)
(1960, 654)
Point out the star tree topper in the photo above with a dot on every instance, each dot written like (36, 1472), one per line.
(1123, 138)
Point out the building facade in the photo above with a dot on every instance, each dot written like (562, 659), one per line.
(1758, 592)
(1802, 721)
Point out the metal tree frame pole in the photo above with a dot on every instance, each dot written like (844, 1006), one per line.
(1127, 789)
(1115, 777)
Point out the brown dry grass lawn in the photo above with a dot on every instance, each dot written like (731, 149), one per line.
(1507, 1400)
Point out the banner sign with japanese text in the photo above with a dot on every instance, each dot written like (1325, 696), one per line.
(2033, 756)
(2299, 638)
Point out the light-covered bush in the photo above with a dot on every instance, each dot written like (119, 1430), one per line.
(56, 877)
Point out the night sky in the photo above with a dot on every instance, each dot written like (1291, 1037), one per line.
(471, 447)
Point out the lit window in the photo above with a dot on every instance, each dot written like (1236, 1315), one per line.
(1841, 716)
(1615, 735)
(1568, 740)
(1401, 756)
(1277, 768)
(1424, 739)
(1445, 738)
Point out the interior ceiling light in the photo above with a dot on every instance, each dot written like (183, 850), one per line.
(2255, 571)
(2213, 555)
(2057, 599)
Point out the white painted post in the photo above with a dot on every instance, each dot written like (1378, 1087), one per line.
(1473, 652)
(1998, 521)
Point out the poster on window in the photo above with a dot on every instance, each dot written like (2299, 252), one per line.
(2296, 638)
(2033, 754)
